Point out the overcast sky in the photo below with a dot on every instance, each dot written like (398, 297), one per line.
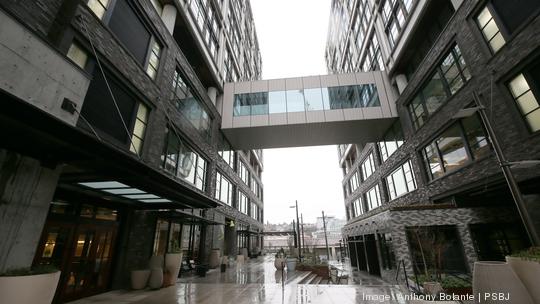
(292, 39)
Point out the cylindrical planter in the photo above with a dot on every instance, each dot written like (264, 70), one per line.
(291, 264)
(156, 261)
(156, 278)
(214, 258)
(432, 288)
(173, 262)
(245, 254)
(279, 263)
(31, 289)
(139, 278)
(240, 259)
(529, 274)
(499, 279)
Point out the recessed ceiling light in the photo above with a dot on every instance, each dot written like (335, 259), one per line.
(104, 185)
(141, 196)
(125, 191)
(159, 200)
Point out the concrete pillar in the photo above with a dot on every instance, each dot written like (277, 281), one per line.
(26, 191)
(333, 252)
(401, 81)
(212, 93)
(169, 16)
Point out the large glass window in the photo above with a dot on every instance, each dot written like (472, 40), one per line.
(373, 198)
(368, 166)
(392, 140)
(180, 160)
(401, 181)
(525, 99)
(139, 129)
(449, 76)
(98, 7)
(226, 152)
(354, 182)
(342, 97)
(394, 14)
(295, 101)
(244, 173)
(357, 207)
(456, 146)
(224, 189)
(243, 202)
(206, 19)
(153, 60)
(190, 106)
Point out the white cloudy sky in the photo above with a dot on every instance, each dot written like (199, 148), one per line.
(292, 39)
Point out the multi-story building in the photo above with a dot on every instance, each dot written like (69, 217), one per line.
(111, 148)
(431, 192)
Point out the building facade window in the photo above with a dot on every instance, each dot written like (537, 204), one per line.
(449, 76)
(490, 30)
(98, 7)
(78, 55)
(243, 202)
(356, 207)
(254, 211)
(243, 172)
(354, 182)
(204, 15)
(458, 145)
(392, 140)
(157, 6)
(225, 151)
(526, 99)
(182, 161)
(190, 106)
(368, 166)
(139, 130)
(373, 198)
(401, 181)
(394, 14)
(224, 189)
(153, 60)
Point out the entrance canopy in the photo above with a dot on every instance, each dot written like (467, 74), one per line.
(305, 111)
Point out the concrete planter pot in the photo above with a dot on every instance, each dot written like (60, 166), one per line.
(498, 277)
(139, 278)
(30, 289)
(279, 263)
(156, 278)
(529, 273)
(432, 288)
(291, 264)
(214, 259)
(173, 262)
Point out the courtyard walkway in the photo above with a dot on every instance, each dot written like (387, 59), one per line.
(256, 281)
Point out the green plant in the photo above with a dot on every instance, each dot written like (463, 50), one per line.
(530, 254)
(281, 254)
(41, 269)
(454, 282)
(174, 246)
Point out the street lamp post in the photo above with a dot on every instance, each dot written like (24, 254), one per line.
(325, 237)
(505, 166)
(298, 230)
(303, 241)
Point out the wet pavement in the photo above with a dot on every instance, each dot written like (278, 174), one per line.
(257, 281)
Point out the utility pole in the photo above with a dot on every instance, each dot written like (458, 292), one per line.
(298, 232)
(325, 237)
(303, 240)
(294, 233)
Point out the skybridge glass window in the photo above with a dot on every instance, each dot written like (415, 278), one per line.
(315, 99)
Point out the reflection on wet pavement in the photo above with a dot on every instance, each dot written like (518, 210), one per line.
(256, 281)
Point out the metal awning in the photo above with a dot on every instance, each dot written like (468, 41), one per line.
(179, 216)
(90, 160)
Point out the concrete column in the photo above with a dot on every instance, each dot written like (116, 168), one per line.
(333, 252)
(26, 191)
(401, 81)
(212, 93)
(169, 16)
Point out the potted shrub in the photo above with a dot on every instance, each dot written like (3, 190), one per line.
(526, 265)
(36, 285)
(279, 261)
(173, 262)
(457, 286)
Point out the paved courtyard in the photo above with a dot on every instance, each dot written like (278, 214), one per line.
(256, 281)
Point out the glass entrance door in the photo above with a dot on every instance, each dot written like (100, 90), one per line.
(90, 262)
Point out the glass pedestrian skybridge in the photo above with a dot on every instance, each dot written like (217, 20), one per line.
(304, 111)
